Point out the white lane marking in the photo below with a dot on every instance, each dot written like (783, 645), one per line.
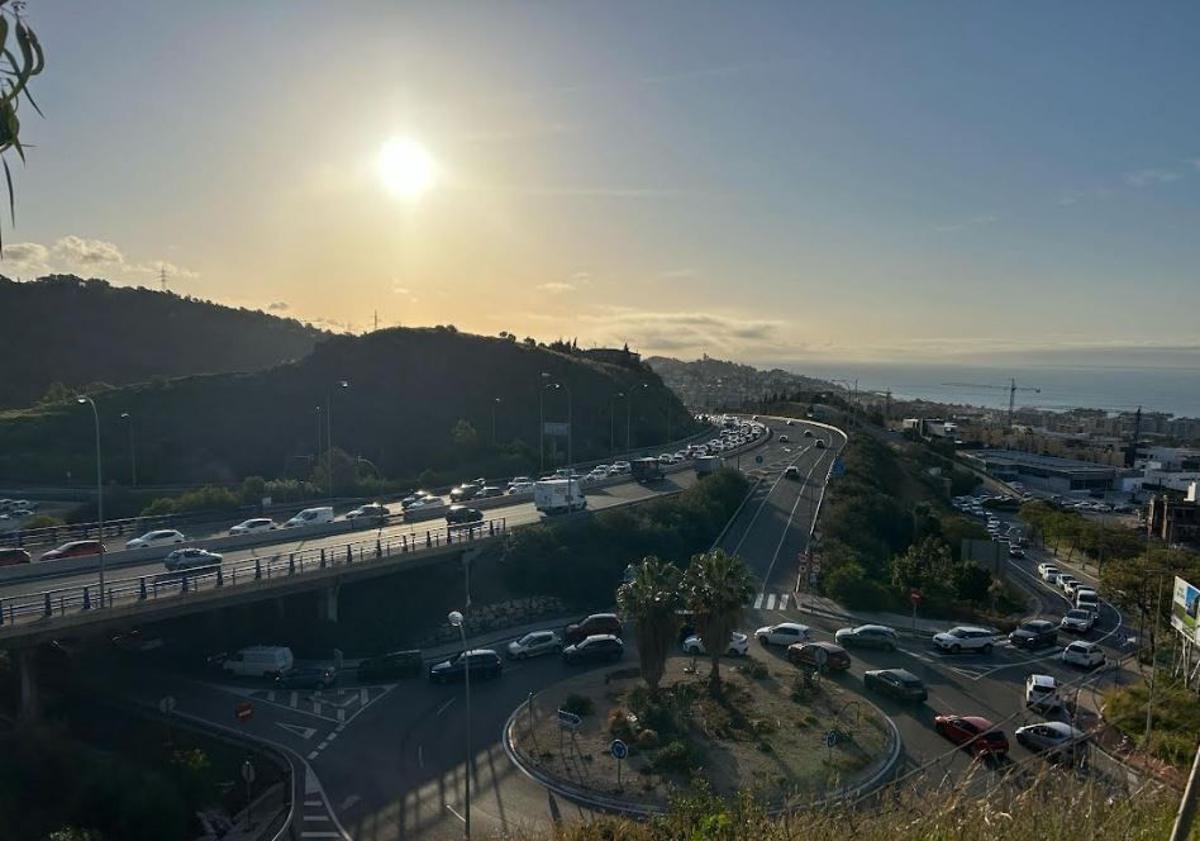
(445, 706)
(317, 818)
(349, 802)
(758, 600)
(341, 714)
(293, 699)
(420, 756)
(298, 729)
(771, 602)
(363, 695)
(765, 498)
(313, 754)
(313, 803)
(783, 599)
(454, 812)
(310, 834)
(791, 516)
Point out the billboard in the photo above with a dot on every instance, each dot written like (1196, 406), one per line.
(1185, 602)
(556, 428)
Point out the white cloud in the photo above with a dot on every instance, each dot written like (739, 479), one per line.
(88, 252)
(557, 287)
(277, 306)
(653, 331)
(1148, 177)
(27, 256)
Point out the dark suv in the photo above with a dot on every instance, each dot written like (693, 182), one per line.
(461, 515)
(819, 655)
(597, 623)
(10, 556)
(593, 648)
(484, 663)
(466, 491)
(1034, 634)
(391, 665)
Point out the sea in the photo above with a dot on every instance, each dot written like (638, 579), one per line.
(1173, 390)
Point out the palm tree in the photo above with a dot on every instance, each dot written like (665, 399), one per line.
(652, 600)
(717, 587)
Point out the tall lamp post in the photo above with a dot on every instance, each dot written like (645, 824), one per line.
(343, 384)
(495, 403)
(317, 452)
(128, 418)
(99, 488)
(629, 417)
(612, 422)
(456, 620)
(542, 385)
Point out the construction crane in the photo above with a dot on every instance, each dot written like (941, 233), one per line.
(1012, 388)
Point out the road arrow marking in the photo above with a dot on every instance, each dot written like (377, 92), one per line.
(298, 729)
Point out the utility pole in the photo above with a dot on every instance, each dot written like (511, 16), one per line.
(1153, 662)
(1187, 805)
(162, 276)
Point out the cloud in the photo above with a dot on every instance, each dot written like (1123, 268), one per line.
(88, 252)
(676, 274)
(652, 331)
(277, 306)
(1149, 177)
(31, 256)
(557, 287)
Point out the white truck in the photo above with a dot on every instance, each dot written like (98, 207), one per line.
(707, 464)
(558, 496)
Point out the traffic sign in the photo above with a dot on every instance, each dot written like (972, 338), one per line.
(619, 749)
(758, 459)
(248, 771)
(568, 720)
(914, 596)
(243, 711)
(831, 738)
(167, 705)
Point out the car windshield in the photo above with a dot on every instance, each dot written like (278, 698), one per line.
(909, 680)
(1078, 614)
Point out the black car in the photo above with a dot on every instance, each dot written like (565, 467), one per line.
(900, 684)
(594, 648)
(483, 662)
(461, 515)
(1034, 634)
(465, 491)
(391, 665)
(306, 677)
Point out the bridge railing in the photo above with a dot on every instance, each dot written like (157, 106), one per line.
(153, 587)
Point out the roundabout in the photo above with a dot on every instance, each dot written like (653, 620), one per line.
(793, 742)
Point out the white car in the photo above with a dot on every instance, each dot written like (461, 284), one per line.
(1049, 573)
(191, 558)
(158, 537)
(425, 502)
(1041, 693)
(370, 511)
(739, 644)
(254, 526)
(534, 644)
(621, 468)
(1082, 653)
(1077, 620)
(519, 488)
(1071, 585)
(785, 634)
(965, 638)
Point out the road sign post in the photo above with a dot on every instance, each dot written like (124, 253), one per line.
(166, 706)
(567, 721)
(248, 777)
(243, 711)
(914, 595)
(619, 751)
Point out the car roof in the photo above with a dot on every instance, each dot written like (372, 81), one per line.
(1038, 623)
(790, 625)
(903, 674)
(977, 720)
(1084, 645)
(600, 616)
(970, 628)
(869, 627)
(1045, 681)
(828, 646)
(594, 637)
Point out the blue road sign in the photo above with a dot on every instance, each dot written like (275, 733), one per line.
(758, 459)
(619, 749)
(839, 468)
(569, 720)
(831, 738)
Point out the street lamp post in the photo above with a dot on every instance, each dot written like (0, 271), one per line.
(612, 422)
(542, 421)
(456, 620)
(329, 433)
(629, 417)
(127, 417)
(495, 403)
(99, 488)
(317, 452)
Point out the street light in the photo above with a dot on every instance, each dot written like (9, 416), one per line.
(329, 430)
(612, 417)
(495, 403)
(542, 385)
(125, 416)
(99, 488)
(629, 416)
(456, 621)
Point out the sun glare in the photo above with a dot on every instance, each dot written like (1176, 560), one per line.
(405, 168)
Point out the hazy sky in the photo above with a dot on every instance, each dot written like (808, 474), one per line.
(755, 180)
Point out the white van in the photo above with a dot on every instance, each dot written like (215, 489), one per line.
(259, 661)
(311, 517)
(1087, 599)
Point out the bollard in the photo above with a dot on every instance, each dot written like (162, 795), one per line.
(142, 589)
(257, 569)
(378, 549)
(428, 540)
(47, 610)
(404, 543)
(87, 599)
(349, 555)
(221, 577)
(183, 585)
(491, 528)
(360, 553)
(291, 563)
(233, 580)
(322, 559)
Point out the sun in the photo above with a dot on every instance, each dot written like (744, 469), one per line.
(405, 168)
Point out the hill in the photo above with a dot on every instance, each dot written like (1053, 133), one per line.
(62, 329)
(709, 383)
(418, 399)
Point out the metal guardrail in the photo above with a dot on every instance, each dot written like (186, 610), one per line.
(283, 565)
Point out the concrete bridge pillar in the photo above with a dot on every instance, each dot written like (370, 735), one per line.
(327, 603)
(28, 707)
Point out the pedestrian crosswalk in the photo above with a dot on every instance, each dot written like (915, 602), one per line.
(316, 817)
(774, 601)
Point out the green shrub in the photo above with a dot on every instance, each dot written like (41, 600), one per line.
(579, 704)
(620, 725)
(754, 669)
(677, 757)
(647, 738)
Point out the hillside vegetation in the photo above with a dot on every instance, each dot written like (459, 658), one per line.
(62, 329)
(418, 400)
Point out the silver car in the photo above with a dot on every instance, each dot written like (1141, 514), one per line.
(1055, 738)
(183, 559)
(534, 644)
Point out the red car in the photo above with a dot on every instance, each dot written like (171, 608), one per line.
(974, 732)
(74, 549)
(11, 556)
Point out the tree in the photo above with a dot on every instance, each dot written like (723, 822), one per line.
(23, 60)
(464, 436)
(652, 600)
(717, 587)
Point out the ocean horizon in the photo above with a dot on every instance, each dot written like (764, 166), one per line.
(1114, 388)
